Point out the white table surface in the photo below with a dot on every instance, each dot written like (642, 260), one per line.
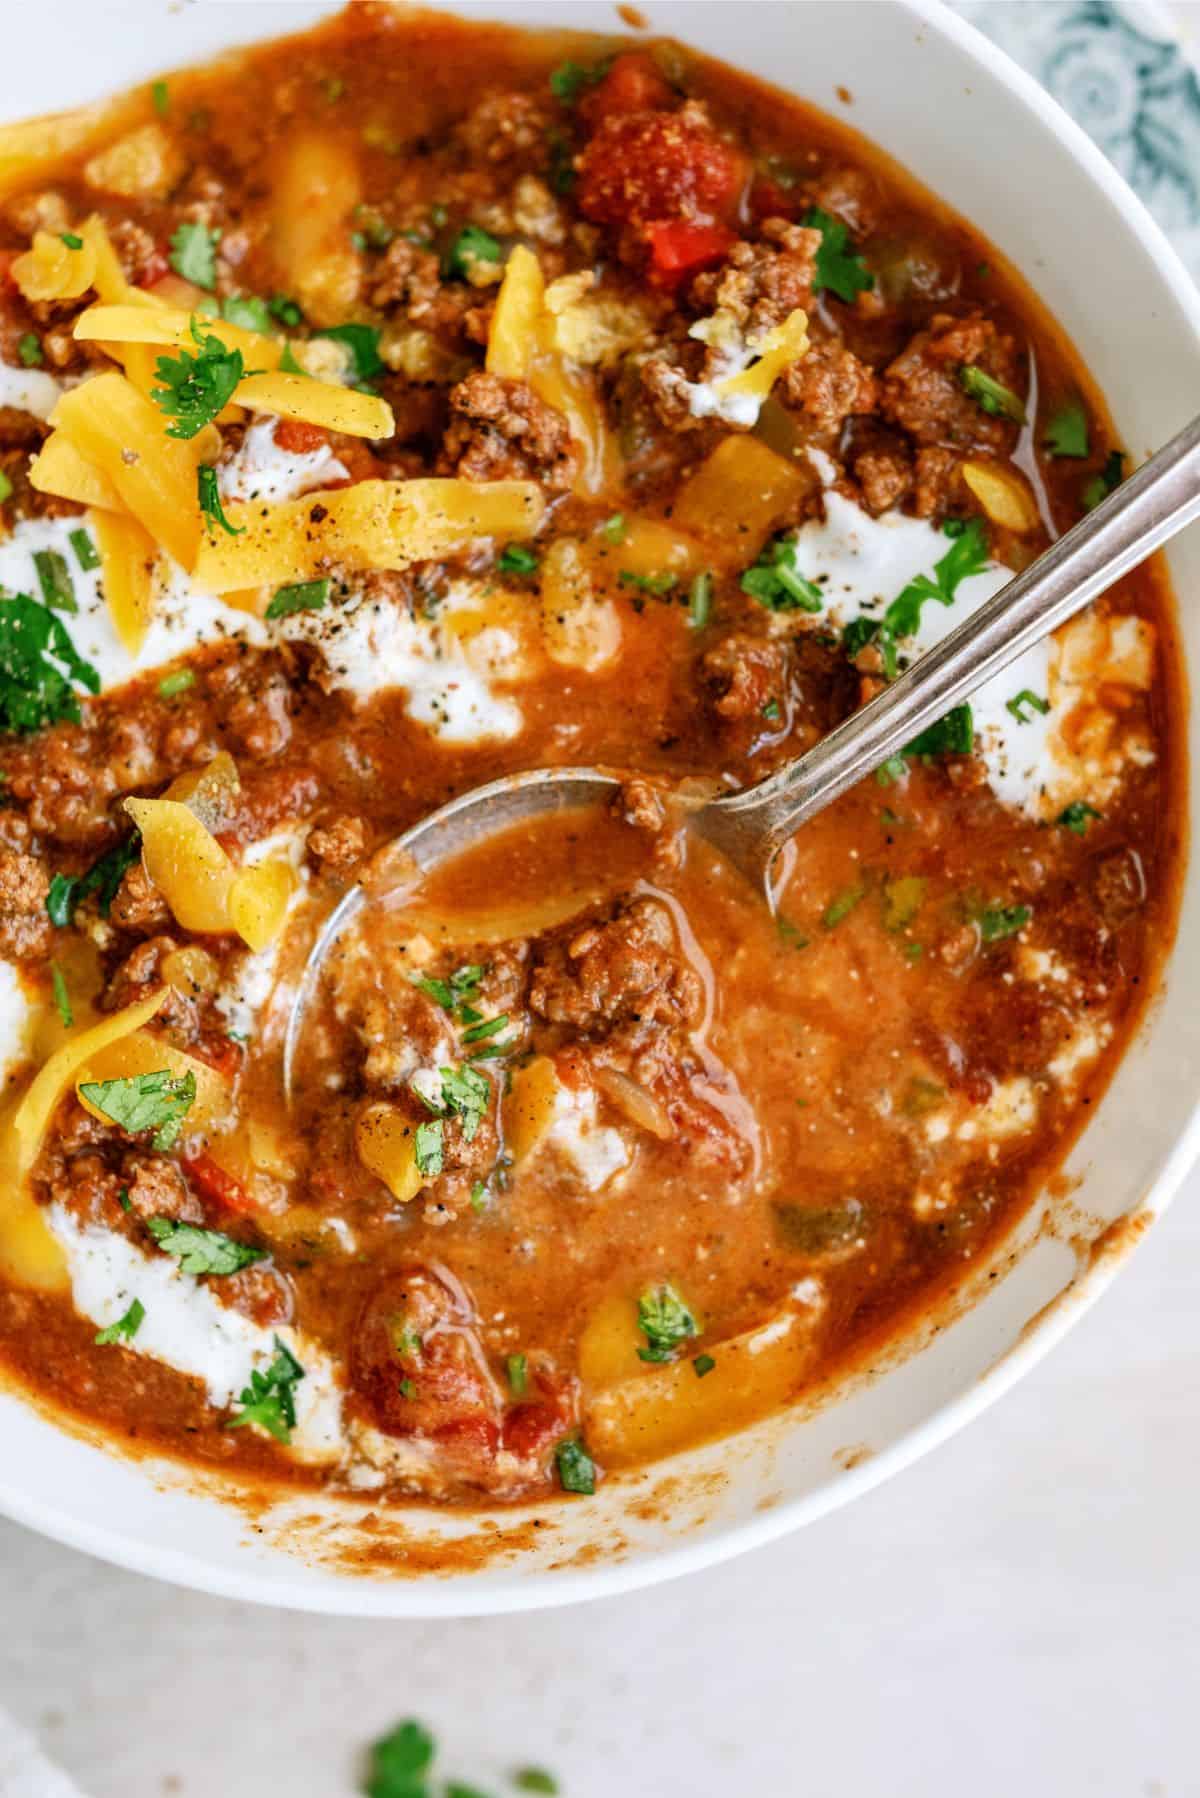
(1014, 1617)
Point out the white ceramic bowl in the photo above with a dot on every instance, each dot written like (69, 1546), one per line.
(983, 136)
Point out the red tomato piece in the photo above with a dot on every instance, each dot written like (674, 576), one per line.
(645, 167)
(216, 1184)
(296, 438)
(634, 83)
(679, 250)
(416, 1359)
(536, 1425)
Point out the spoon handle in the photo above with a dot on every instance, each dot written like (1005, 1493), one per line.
(1151, 506)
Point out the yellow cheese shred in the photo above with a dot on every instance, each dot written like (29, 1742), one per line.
(785, 344)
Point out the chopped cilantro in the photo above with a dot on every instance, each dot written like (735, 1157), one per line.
(160, 95)
(407, 1388)
(270, 1399)
(429, 1148)
(54, 579)
(6, 487)
(775, 582)
(1078, 816)
(124, 1200)
(195, 388)
(71, 239)
(700, 601)
(193, 253)
(968, 555)
(478, 1197)
(173, 684)
(862, 631)
(657, 584)
(770, 711)
(1106, 482)
(248, 311)
(665, 1322)
(479, 1033)
(952, 735)
(285, 310)
(516, 559)
(576, 1469)
(103, 878)
(839, 270)
(458, 990)
(472, 245)
(517, 1369)
(1026, 697)
(304, 596)
(399, 1763)
(209, 495)
(38, 664)
(202, 1251)
(570, 79)
(62, 997)
(1066, 432)
(362, 341)
(466, 1094)
(614, 528)
(790, 933)
(125, 1328)
(998, 921)
(140, 1102)
(991, 395)
(842, 905)
(703, 1364)
(86, 553)
(29, 349)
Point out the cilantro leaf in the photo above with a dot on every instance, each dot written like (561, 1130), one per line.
(839, 270)
(305, 596)
(1077, 817)
(841, 906)
(195, 388)
(399, 1763)
(665, 1322)
(576, 1469)
(202, 1251)
(776, 583)
(62, 998)
(657, 584)
(103, 878)
(516, 559)
(209, 495)
(38, 663)
(362, 341)
(285, 310)
(998, 921)
(700, 601)
(1026, 697)
(472, 245)
(248, 311)
(570, 79)
(991, 395)
(703, 1364)
(429, 1146)
(193, 253)
(467, 1094)
(1066, 432)
(86, 553)
(138, 1102)
(29, 349)
(952, 735)
(125, 1328)
(968, 555)
(54, 579)
(517, 1369)
(1106, 482)
(270, 1400)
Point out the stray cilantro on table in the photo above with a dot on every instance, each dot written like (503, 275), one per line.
(665, 1321)
(196, 388)
(35, 649)
(200, 1251)
(270, 1398)
(839, 269)
(304, 596)
(992, 396)
(776, 583)
(137, 1102)
(125, 1328)
(1066, 431)
(193, 253)
(576, 1469)
(209, 495)
(399, 1762)
(102, 878)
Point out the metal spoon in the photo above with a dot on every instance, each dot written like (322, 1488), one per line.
(750, 828)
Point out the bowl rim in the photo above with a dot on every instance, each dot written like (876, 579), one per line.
(513, 1591)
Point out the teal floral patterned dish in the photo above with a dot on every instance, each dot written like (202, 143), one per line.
(1120, 71)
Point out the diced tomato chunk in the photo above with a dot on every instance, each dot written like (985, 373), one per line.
(634, 83)
(643, 168)
(679, 249)
(534, 1427)
(769, 200)
(215, 1183)
(416, 1360)
(296, 438)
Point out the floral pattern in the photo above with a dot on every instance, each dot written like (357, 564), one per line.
(1118, 68)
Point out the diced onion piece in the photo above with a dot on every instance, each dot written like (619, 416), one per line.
(578, 630)
(60, 469)
(170, 328)
(141, 1053)
(386, 1142)
(211, 792)
(317, 403)
(512, 338)
(317, 186)
(259, 897)
(638, 1105)
(144, 164)
(647, 1412)
(122, 432)
(52, 270)
(574, 393)
(373, 524)
(33, 1114)
(1004, 495)
(185, 862)
(736, 495)
(780, 347)
(127, 558)
(531, 1107)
